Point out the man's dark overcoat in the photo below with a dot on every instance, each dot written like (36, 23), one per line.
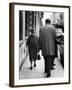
(47, 37)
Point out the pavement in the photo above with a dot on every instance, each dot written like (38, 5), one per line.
(38, 71)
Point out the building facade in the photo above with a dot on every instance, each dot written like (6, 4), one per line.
(28, 20)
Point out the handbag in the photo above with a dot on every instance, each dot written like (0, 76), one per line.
(38, 57)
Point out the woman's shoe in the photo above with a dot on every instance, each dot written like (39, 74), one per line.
(31, 68)
(34, 65)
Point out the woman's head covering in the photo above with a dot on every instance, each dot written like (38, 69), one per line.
(32, 31)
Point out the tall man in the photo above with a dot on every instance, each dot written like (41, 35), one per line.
(47, 38)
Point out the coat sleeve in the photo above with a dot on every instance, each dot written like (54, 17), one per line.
(27, 43)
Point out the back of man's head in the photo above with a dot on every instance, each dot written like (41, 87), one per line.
(48, 21)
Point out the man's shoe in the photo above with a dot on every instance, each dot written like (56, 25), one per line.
(48, 75)
(54, 64)
(52, 68)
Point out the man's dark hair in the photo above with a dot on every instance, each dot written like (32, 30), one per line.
(47, 21)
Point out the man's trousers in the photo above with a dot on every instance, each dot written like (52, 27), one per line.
(48, 63)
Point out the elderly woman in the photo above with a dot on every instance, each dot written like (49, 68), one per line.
(32, 44)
